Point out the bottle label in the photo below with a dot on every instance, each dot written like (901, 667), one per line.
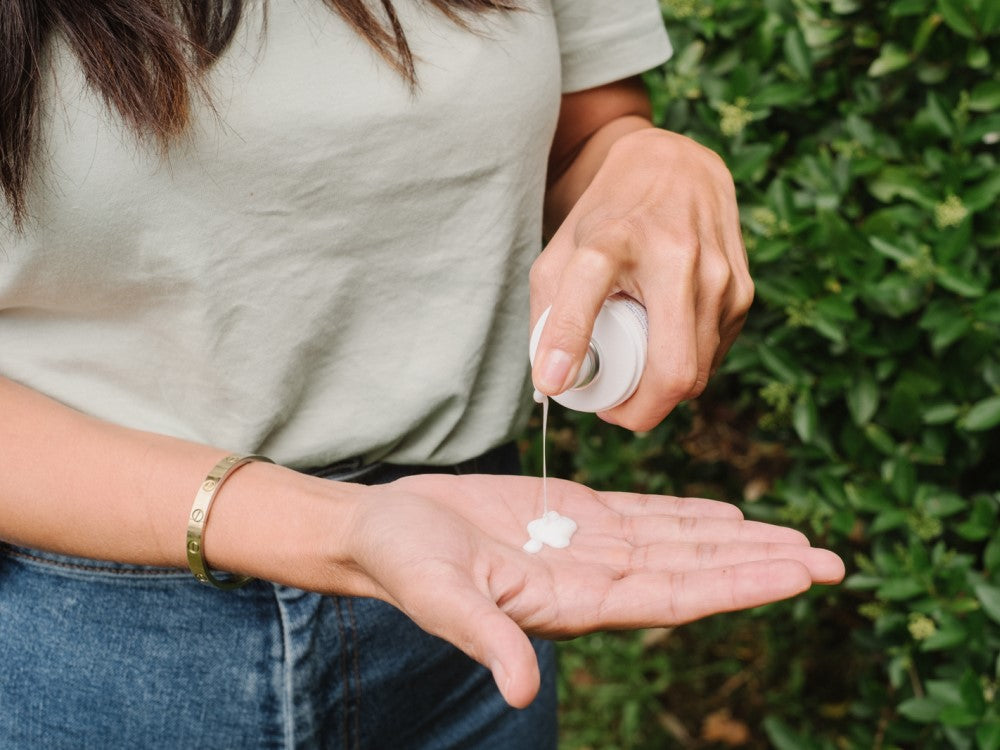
(637, 310)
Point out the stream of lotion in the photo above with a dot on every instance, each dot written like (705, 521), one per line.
(550, 528)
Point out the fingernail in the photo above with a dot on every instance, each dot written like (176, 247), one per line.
(500, 677)
(554, 371)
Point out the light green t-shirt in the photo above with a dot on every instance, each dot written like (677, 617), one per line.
(327, 264)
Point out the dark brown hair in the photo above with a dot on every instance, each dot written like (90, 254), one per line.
(144, 58)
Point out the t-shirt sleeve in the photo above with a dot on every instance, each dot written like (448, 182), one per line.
(601, 41)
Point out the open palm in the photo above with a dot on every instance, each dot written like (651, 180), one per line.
(448, 552)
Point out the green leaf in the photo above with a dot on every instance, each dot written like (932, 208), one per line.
(988, 308)
(748, 161)
(783, 367)
(940, 413)
(862, 581)
(836, 307)
(805, 417)
(888, 520)
(898, 670)
(991, 556)
(903, 479)
(900, 589)
(779, 95)
(782, 736)
(982, 521)
(957, 716)
(897, 295)
(944, 639)
(953, 243)
(989, 598)
(906, 183)
(949, 333)
(991, 373)
(865, 37)
(797, 53)
(880, 438)
(828, 328)
(960, 283)
(977, 57)
(958, 14)
(936, 113)
(898, 254)
(945, 692)
(947, 321)
(902, 8)
(989, 16)
(939, 503)
(863, 397)
(820, 36)
(845, 7)
(988, 735)
(891, 58)
(972, 693)
(983, 415)
(983, 195)
(920, 710)
(930, 74)
(982, 128)
(924, 32)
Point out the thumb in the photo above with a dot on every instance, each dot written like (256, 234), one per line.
(565, 335)
(472, 622)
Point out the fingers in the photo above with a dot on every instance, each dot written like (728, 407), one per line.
(675, 245)
(584, 285)
(649, 532)
(679, 557)
(696, 310)
(640, 531)
(471, 621)
(632, 504)
(672, 361)
(727, 338)
(738, 299)
(649, 599)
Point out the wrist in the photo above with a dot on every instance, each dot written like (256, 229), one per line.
(569, 183)
(277, 524)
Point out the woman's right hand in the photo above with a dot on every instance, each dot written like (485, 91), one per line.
(446, 551)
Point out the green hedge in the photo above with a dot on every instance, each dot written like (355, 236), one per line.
(862, 402)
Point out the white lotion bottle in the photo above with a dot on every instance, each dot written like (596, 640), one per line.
(614, 360)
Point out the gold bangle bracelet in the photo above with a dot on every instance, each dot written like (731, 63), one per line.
(199, 516)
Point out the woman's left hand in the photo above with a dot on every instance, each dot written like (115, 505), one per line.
(658, 221)
(447, 551)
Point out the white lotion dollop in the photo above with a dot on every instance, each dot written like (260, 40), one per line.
(550, 528)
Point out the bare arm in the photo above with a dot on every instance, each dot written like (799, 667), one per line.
(590, 122)
(77, 485)
(432, 545)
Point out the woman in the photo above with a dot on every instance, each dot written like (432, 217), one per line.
(304, 230)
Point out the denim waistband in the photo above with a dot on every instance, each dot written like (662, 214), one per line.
(504, 459)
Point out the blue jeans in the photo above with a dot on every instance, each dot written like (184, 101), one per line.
(99, 654)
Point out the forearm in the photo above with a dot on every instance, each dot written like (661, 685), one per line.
(446, 550)
(76, 485)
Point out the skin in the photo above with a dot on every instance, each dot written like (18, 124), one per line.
(650, 213)
(446, 550)
(636, 561)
